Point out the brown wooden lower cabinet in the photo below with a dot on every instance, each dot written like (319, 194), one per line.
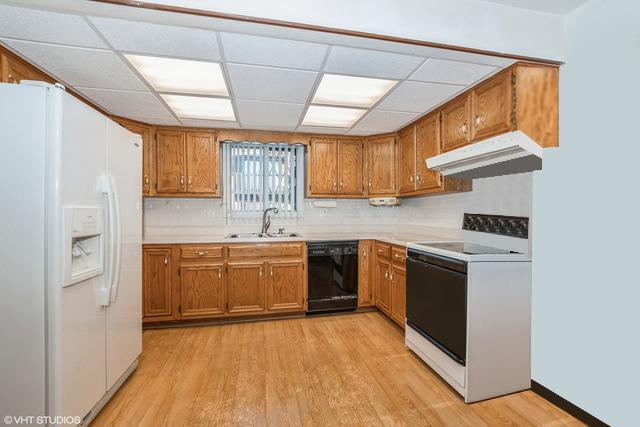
(157, 287)
(246, 293)
(284, 291)
(366, 293)
(190, 282)
(390, 281)
(383, 286)
(201, 290)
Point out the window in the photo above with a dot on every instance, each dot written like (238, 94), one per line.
(259, 176)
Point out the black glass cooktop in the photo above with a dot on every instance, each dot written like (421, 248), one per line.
(468, 248)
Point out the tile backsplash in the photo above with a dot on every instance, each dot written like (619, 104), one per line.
(505, 195)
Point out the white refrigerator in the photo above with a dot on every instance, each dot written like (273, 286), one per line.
(70, 254)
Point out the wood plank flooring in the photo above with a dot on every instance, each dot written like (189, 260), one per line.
(350, 370)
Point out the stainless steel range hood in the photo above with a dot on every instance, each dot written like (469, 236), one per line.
(509, 153)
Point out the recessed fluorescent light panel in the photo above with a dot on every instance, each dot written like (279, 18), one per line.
(200, 107)
(351, 91)
(181, 75)
(332, 116)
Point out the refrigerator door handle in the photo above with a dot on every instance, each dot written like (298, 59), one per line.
(106, 295)
(113, 286)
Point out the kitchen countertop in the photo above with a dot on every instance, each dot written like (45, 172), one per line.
(400, 237)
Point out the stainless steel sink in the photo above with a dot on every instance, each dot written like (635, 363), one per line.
(260, 235)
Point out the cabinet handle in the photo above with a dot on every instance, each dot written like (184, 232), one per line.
(391, 275)
(146, 179)
(335, 184)
(464, 128)
(477, 120)
(370, 184)
(10, 78)
(341, 184)
(364, 254)
(166, 260)
(386, 274)
(411, 178)
(203, 253)
(189, 181)
(260, 271)
(418, 177)
(182, 180)
(220, 274)
(271, 272)
(398, 256)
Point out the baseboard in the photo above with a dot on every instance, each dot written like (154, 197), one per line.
(566, 406)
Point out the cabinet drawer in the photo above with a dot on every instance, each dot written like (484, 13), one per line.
(382, 250)
(399, 256)
(201, 252)
(258, 250)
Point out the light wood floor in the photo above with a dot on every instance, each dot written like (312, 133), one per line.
(323, 371)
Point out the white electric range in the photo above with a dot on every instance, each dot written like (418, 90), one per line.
(469, 305)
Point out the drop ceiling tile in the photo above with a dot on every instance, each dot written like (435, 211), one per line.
(248, 49)
(452, 72)
(80, 67)
(210, 123)
(384, 121)
(371, 63)
(127, 103)
(45, 26)
(321, 129)
(418, 97)
(272, 114)
(155, 39)
(156, 120)
(270, 84)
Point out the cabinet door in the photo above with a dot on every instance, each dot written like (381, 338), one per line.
(285, 289)
(201, 290)
(398, 295)
(170, 154)
(365, 279)
(202, 163)
(350, 175)
(455, 124)
(407, 160)
(427, 145)
(492, 107)
(156, 284)
(147, 158)
(383, 286)
(380, 166)
(246, 287)
(323, 170)
(14, 71)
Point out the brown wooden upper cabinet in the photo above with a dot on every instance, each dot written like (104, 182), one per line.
(335, 167)
(455, 123)
(491, 107)
(523, 97)
(187, 163)
(148, 165)
(381, 166)
(407, 159)
(415, 144)
(13, 70)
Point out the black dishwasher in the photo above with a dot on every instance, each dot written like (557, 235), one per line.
(333, 276)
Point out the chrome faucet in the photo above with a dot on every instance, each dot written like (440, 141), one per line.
(266, 219)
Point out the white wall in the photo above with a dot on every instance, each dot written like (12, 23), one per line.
(586, 290)
(468, 23)
(510, 195)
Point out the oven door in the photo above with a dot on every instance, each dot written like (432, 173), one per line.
(437, 302)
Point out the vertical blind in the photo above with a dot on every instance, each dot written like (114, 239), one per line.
(259, 176)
